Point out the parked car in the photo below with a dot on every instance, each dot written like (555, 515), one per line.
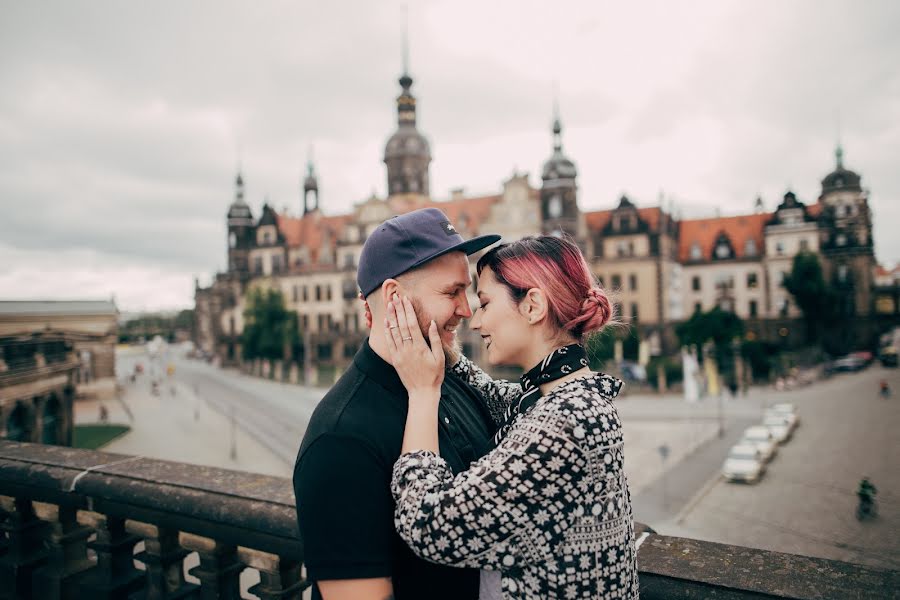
(633, 372)
(849, 363)
(787, 410)
(888, 356)
(744, 463)
(779, 426)
(762, 438)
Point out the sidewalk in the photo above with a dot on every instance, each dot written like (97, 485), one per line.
(180, 428)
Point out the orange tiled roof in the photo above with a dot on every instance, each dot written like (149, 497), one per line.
(814, 210)
(705, 232)
(309, 229)
(597, 220)
(476, 209)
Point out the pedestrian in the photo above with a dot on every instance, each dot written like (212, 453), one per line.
(342, 475)
(885, 389)
(548, 511)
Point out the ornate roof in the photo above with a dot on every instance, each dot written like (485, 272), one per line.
(841, 178)
(406, 141)
(558, 166)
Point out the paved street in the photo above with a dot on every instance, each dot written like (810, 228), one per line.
(805, 503)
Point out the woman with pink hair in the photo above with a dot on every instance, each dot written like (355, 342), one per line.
(547, 513)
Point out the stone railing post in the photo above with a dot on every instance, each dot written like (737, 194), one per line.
(219, 570)
(25, 550)
(115, 575)
(67, 556)
(164, 559)
(279, 578)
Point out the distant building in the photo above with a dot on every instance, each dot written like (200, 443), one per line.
(46, 349)
(659, 269)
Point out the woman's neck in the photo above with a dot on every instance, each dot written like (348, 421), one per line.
(539, 351)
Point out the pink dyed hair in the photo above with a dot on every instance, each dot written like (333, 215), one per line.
(576, 304)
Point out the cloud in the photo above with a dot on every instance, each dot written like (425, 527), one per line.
(122, 125)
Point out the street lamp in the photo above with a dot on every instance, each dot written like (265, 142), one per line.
(233, 435)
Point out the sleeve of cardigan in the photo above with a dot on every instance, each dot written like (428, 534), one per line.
(494, 514)
(498, 393)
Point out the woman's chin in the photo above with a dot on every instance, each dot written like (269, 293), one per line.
(491, 356)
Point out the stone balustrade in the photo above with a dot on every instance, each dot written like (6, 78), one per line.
(75, 523)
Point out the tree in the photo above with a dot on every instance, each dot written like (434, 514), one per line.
(717, 326)
(814, 297)
(270, 330)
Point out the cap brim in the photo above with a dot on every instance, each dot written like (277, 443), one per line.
(469, 247)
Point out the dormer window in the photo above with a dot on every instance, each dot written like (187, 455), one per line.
(696, 252)
(722, 249)
(750, 248)
(267, 237)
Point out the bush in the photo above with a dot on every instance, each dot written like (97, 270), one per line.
(671, 365)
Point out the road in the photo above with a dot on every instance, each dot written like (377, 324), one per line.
(806, 502)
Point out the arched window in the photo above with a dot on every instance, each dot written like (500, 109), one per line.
(17, 425)
(50, 421)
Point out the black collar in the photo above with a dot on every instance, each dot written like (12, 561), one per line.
(378, 369)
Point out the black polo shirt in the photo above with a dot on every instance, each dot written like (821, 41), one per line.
(343, 471)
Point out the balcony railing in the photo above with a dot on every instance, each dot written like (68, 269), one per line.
(72, 519)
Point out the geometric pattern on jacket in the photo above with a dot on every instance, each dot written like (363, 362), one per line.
(549, 507)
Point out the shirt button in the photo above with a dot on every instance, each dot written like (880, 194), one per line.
(447, 420)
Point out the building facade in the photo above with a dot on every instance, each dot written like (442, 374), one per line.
(46, 350)
(659, 269)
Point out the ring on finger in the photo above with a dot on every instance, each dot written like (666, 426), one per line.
(406, 338)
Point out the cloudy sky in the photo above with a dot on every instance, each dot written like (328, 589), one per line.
(122, 124)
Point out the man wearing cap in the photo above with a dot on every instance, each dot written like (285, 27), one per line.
(342, 475)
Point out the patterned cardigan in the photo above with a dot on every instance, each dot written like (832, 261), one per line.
(549, 507)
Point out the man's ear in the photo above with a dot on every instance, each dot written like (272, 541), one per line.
(534, 306)
(388, 289)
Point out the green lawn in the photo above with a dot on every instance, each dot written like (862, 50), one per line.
(92, 437)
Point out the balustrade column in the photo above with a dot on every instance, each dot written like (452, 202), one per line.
(279, 578)
(219, 570)
(67, 556)
(164, 558)
(115, 576)
(25, 551)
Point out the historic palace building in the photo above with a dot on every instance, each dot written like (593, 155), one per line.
(47, 348)
(660, 269)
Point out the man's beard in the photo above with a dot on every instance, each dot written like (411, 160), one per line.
(452, 351)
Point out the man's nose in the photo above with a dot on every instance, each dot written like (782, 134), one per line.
(462, 308)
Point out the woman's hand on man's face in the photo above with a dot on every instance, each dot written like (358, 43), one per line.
(420, 367)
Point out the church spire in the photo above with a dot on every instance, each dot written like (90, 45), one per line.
(557, 124)
(839, 156)
(407, 153)
(310, 184)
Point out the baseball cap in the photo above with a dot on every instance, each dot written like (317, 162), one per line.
(410, 240)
